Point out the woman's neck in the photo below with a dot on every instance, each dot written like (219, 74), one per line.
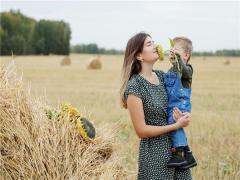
(146, 70)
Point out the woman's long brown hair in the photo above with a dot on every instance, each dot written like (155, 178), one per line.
(131, 65)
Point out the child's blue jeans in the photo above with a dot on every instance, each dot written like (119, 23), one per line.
(177, 97)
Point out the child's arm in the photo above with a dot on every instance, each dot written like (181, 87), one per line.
(186, 70)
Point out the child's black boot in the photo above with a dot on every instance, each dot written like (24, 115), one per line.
(177, 159)
(191, 162)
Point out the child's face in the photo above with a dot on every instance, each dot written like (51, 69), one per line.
(179, 49)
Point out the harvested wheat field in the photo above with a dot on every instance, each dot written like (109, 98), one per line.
(34, 147)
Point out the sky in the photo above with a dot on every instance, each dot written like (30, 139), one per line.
(211, 25)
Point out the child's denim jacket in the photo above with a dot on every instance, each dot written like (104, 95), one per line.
(178, 96)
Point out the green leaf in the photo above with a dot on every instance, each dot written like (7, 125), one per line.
(172, 43)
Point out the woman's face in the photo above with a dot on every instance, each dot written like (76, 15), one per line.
(149, 53)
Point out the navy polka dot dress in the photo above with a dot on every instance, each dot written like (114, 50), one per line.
(154, 152)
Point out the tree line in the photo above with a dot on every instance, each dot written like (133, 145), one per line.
(93, 49)
(224, 52)
(22, 35)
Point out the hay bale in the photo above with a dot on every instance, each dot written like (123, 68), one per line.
(34, 147)
(66, 61)
(13, 55)
(95, 63)
(227, 62)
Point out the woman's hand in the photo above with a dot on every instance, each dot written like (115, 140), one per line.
(177, 114)
(184, 120)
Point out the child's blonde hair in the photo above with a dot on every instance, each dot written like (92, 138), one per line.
(186, 44)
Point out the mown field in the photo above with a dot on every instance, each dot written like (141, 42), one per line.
(213, 134)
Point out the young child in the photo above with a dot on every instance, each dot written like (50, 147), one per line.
(178, 82)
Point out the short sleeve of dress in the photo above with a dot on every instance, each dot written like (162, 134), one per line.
(133, 87)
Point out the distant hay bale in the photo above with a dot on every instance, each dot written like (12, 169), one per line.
(13, 55)
(34, 147)
(227, 62)
(95, 63)
(66, 61)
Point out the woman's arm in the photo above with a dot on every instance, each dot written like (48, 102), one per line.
(135, 108)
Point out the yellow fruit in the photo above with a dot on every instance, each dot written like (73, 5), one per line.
(160, 52)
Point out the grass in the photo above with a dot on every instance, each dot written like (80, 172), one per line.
(214, 131)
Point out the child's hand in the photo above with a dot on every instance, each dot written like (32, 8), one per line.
(171, 55)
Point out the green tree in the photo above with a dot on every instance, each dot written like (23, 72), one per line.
(16, 31)
(52, 37)
(23, 35)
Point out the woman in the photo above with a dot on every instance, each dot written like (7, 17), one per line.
(144, 95)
